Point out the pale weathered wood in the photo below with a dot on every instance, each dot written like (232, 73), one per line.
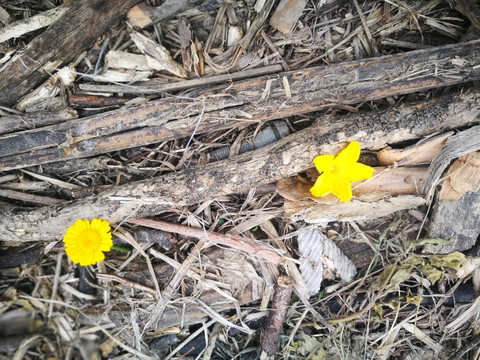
(284, 158)
(243, 102)
(75, 31)
(458, 199)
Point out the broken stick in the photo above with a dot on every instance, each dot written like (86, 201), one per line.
(274, 324)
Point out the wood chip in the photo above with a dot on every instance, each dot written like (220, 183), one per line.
(157, 56)
(287, 14)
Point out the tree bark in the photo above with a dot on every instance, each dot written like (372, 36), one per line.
(286, 157)
(74, 32)
(243, 102)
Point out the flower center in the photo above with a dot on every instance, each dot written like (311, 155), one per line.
(91, 239)
(334, 170)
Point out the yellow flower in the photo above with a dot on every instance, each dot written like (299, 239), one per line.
(337, 172)
(85, 241)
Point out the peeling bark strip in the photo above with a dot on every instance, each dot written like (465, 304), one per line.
(284, 158)
(251, 100)
(74, 32)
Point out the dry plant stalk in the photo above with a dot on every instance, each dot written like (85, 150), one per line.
(276, 317)
(257, 249)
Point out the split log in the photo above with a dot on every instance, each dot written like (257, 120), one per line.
(284, 158)
(241, 103)
(76, 30)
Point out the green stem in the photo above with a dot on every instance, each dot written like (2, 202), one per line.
(120, 248)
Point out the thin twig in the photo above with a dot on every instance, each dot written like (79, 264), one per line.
(255, 248)
(111, 277)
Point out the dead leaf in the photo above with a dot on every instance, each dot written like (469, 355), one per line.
(453, 260)
(433, 274)
(420, 242)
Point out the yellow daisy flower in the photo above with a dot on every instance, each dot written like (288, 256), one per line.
(337, 173)
(85, 241)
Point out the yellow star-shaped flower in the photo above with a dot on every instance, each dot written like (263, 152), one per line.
(337, 172)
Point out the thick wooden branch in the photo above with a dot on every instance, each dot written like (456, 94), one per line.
(243, 102)
(75, 31)
(284, 158)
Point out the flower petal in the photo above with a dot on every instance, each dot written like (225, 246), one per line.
(323, 185)
(323, 162)
(342, 188)
(349, 155)
(358, 172)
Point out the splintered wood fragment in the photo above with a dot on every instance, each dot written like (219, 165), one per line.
(462, 176)
(123, 75)
(44, 96)
(157, 56)
(13, 123)
(311, 90)
(254, 248)
(125, 60)
(75, 31)
(287, 14)
(456, 212)
(286, 157)
(274, 324)
(4, 16)
(21, 27)
(421, 153)
(138, 15)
